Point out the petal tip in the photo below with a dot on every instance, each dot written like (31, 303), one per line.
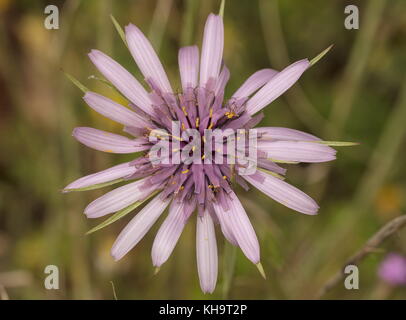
(115, 252)
(208, 290)
(93, 53)
(115, 257)
(88, 212)
(87, 95)
(130, 27)
(75, 132)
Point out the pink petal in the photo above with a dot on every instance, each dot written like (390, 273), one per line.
(283, 193)
(113, 173)
(114, 111)
(277, 86)
(279, 133)
(206, 252)
(212, 49)
(138, 227)
(169, 233)
(297, 151)
(107, 141)
(254, 82)
(118, 199)
(146, 58)
(241, 228)
(122, 80)
(189, 66)
(225, 223)
(222, 80)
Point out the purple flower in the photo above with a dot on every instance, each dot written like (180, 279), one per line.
(392, 270)
(184, 188)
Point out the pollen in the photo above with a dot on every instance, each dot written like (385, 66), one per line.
(230, 114)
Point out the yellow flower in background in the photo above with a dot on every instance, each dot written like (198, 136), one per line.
(389, 201)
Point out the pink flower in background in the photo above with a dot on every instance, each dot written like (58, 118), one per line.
(186, 188)
(392, 270)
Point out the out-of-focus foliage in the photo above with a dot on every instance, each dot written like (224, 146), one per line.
(355, 93)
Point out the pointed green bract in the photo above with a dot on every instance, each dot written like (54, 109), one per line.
(119, 214)
(283, 161)
(95, 186)
(119, 29)
(276, 175)
(337, 143)
(320, 55)
(222, 5)
(104, 81)
(76, 82)
(261, 270)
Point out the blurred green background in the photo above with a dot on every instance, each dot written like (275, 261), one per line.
(356, 93)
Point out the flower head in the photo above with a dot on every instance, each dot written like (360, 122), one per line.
(188, 179)
(392, 270)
